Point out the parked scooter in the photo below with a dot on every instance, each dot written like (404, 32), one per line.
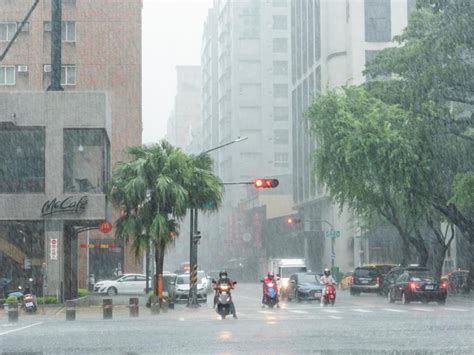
(26, 298)
(329, 296)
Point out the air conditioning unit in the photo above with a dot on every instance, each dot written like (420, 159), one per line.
(22, 69)
(47, 68)
(47, 26)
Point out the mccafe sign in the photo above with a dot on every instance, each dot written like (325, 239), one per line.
(68, 205)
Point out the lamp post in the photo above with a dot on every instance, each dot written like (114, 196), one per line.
(194, 237)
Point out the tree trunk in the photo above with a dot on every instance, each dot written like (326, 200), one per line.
(160, 249)
(419, 244)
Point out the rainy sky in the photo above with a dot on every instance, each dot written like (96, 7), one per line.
(172, 31)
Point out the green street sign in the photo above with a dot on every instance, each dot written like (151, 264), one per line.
(332, 233)
(208, 206)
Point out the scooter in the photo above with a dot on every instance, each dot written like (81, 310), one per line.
(224, 305)
(29, 303)
(271, 291)
(330, 295)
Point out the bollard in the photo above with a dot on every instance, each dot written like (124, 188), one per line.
(70, 310)
(107, 307)
(155, 305)
(133, 306)
(13, 312)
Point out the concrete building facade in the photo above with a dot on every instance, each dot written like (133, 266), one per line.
(331, 41)
(101, 52)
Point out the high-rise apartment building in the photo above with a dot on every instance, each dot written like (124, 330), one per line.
(331, 41)
(77, 136)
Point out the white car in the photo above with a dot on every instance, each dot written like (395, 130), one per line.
(125, 284)
(182, 289)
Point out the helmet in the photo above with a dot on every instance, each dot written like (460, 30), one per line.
(223, 274)
(327, 272)
(270, 275)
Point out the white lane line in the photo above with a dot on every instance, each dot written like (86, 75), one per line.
(331, 311)
(423, 309)
(18, 329)
(300, 312)
(335, 317)
(455, 309)
(265, 312)
(362, 310)
(393, 310)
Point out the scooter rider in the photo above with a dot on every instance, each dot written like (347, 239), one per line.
(267, 279)
(327, 279)
(224, 279)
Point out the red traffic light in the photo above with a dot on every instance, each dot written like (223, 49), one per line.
(265, 183)
(292, 220)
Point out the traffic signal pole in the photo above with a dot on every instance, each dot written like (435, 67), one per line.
(194, 240)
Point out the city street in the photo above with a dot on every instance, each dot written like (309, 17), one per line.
(355, 325)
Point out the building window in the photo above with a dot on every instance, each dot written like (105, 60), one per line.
(86, 157)
(369, 56)
(7, 31)
(280, 90)
(280, 22)
(280, 67)
(280, 45)
(281, 160)
(68, 75)
(377, 21)
(22, 159)
(68, 31)
(7, 75)
(280, 136)
(280, 3)
(280, 113)
(411, 6)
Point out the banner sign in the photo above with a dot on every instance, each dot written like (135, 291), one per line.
(53, 249)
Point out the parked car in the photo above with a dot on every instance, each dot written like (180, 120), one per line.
(369, 278)
(392, 276)
(182, 288)
(124, 284)
(419, 285)
(304, 286)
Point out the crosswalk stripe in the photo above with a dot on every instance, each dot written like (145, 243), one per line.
(361, 310)
(331, 311)
(423, 309)
(454, 309)
(393, 310)
(300, 312)
(335, 317)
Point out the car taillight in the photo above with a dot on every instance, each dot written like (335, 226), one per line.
(413, 285)
(377, 280)
(443, 285)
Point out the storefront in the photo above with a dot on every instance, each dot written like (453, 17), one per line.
(54, 164)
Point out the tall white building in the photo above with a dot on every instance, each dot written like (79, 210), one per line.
(331, 41)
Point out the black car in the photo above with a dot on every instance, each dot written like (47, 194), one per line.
(392, 276)
(304, 286)
(368, 278)
(419, 285)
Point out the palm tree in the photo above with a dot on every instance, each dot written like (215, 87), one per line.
(153, 192)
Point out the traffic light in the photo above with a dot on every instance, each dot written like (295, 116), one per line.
(265, 183)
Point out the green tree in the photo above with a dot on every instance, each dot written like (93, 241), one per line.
(364, 154)
(153, 192)
(432, 73)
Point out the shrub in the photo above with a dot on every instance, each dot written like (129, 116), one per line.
(82, 292)
(47, 300)
(12, 299)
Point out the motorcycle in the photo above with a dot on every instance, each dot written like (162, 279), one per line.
(330, 295)
(29, 303)
(224, 305)
(271, 291)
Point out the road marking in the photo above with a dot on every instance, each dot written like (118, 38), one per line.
(300, 312)
(265, 312)
(331, 311)
(423, 309)
(335, 317)
(181, 319)
(455, 309)
(362, 310)
(393, 310)
(18, 329)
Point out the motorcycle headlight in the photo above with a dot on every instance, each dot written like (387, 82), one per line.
(284, 284)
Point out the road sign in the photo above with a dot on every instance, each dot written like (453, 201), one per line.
(332, 233)
(53, 250)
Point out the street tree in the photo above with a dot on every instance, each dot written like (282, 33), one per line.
(153, 192)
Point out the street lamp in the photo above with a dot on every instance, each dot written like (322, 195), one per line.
(195, 236)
